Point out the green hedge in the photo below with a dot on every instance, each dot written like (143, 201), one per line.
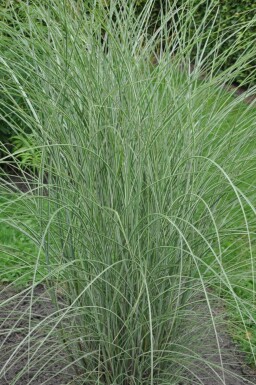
(229, 12)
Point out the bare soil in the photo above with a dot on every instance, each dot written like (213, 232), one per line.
(29, 361)
(32, 361)
(229, 368)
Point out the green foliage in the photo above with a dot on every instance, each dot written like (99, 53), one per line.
(223, 15)
(12, 127)
(24, 148)
(150, 183)
(17, 252)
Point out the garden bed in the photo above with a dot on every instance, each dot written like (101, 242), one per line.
(16, 319)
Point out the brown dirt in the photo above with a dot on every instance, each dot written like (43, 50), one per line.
(34, 362)
(25, 360)
(227, 368)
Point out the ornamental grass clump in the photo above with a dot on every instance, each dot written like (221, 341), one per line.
(143, 188)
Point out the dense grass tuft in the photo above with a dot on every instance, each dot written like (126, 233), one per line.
(144, 195)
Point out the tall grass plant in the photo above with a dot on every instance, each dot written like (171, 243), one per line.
(146, 179)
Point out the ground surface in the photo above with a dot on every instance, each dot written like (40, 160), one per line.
(235, 370)
(45, 369)
(14, 327)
